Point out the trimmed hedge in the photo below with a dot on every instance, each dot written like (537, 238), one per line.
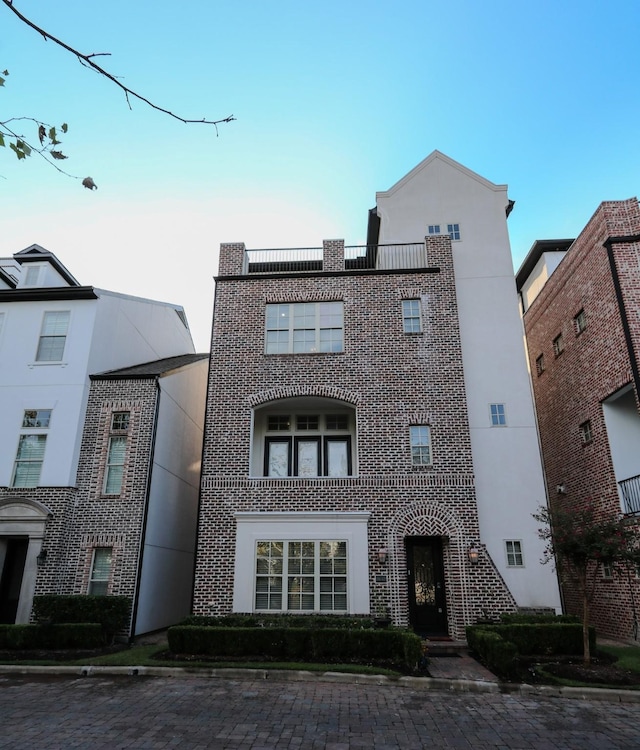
(314, 622)
(499, 646)
(64, 636)
(112, 612)
(298, 644)
(510, 618)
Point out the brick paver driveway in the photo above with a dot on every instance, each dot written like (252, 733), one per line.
(188, 713)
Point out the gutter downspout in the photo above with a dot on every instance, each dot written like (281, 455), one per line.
(143, 533)
(608, 243)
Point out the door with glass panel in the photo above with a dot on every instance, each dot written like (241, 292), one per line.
(425, 577)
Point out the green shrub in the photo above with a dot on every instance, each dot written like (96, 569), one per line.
(545, 638)
(281, 621)
(511, 618)
(500, 655)
(297, 644)
(112, 612)
(63, 636)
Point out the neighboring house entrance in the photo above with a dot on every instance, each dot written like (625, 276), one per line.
(14, 552)
(427, 601)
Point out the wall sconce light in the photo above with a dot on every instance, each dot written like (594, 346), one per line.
(561, 489)
(382, 555)
(41, 559)
(473, 553)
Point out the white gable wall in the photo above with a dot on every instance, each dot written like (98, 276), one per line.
(507, 465)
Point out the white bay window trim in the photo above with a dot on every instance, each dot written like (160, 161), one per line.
(351, 528)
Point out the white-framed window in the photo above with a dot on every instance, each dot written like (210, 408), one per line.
(607, 570)
(308, 445)
(420, 439)
(580, 322)
(31, 446)
(515, 558)
(433, 229)
(38, 418)
(304, 328)
(586, 432)
(53, 336)
(32, 276)
(100, 571)
(306, 576)
(540, 367)
(29, 459)
(116, 453)
(453, 230)
(411, 318)
(558, 345)
(498, 415)
(1, 322)
(301, 562)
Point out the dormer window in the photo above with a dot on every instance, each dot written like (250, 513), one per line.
(32, 277)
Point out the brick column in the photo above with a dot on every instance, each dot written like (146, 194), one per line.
(333, 255)
(231, 261)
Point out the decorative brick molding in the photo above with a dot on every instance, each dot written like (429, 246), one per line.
(296, 391)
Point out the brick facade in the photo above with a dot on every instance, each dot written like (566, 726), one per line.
(392, 380)
(595, 366)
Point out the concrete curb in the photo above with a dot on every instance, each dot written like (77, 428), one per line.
(277, 675)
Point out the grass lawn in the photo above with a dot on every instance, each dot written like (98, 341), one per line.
(628, 657)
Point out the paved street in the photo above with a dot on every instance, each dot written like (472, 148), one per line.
(191, 713)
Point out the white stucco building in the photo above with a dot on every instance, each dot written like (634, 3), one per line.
(54, 334)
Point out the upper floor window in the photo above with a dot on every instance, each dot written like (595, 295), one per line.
(540, 364)
(498, 415)
(580, 322)
(586, 432)
(515, 558)
(32, 276)
(420, 436)
(116, 453)
(558, 345)
(453, 230)
(411, 322)
(317, 445)
(304, 327)
(53, 336)
(31, 446)
(100, 571)
(1, 321)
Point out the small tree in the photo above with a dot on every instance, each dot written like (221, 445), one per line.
(580, 541)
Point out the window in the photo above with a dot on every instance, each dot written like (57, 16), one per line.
(411, 316)
(558, 345)
(314, 447)
(580, 322)
(116, 454)
(100, 570)
(1, 321)
(32, 276)
(453, 230)
(304, 327)
(53, 336)
(607, 570)
(36, 418)
(514, 553)
(498, 415)
(29, 460)
(308, 576)
(586, 432)
(420, 445)
(540, 364)
(434, 229)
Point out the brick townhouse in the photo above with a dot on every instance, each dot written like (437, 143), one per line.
(99, 473)
(370, 442)
(581, 302)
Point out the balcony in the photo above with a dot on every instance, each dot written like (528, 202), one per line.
(630, 489)
(356, 258)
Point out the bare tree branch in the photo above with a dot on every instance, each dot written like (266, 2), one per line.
(87, 60)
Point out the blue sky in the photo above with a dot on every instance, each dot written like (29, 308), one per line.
(334, 101)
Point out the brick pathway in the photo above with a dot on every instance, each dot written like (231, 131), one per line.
(141, 713)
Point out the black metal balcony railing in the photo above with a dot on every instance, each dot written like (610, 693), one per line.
(630, 489)
(356, 257)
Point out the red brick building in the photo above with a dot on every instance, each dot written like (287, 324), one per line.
(581, 303)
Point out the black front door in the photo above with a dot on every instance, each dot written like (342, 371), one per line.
(427, 601)
(11, 578)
